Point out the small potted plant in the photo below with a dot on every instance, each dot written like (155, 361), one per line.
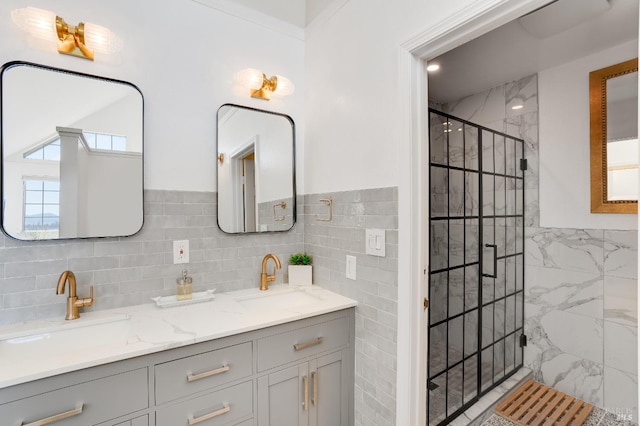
(300, 269)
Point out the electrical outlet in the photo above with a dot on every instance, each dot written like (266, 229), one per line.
(351, 267)
(181, 251)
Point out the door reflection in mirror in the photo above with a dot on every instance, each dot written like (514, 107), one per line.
(255, 171)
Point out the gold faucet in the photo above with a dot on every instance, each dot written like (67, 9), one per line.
(265, 278)
(73, 303)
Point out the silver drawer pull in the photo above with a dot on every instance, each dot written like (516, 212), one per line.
(299, 346)
(55, 418)
(225, 409)
(194, 377)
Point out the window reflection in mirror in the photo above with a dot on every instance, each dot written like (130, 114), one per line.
(72, 162)
(613, 94)
(255, 171)
(622, 137)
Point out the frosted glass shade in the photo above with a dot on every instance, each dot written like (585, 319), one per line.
(100, 39)
(250, 78)
(284, 87)
(39, 23)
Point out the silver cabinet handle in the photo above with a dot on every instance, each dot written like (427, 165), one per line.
(225, 409)
(300, 346)
(314, 397)
(305, 402)
(55, 417)
(194, 377)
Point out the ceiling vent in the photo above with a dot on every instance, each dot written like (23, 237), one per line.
(561, 15)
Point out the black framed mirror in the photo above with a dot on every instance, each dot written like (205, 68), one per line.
(72, 154)
(255, 170)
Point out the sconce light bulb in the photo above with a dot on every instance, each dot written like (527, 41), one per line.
(101, 39)
(250, 78)
(39, 23)
(284, 87)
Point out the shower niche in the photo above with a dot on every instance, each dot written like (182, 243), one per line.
(476, 274)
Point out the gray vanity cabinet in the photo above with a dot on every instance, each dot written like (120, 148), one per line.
(314, 393)
(309, 375)
(90, 403)
(258, 378)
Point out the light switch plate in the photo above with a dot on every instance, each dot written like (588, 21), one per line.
(375, 242)
(351, 267)
(181, 251)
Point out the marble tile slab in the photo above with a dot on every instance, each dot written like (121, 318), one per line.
(620, 300)
(620, 395)
(522, 92)
(621, 347)
(571, 249)
(621, 253)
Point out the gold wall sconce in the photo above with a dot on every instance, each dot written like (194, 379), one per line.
(261, 86)
(82, 40)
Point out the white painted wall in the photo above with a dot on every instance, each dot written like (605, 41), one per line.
(183, 56)
(353, 135)
(564, 144)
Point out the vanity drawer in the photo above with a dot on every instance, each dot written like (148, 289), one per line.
(217, 408)
(297, 344)
(186, 376)
(83, 404)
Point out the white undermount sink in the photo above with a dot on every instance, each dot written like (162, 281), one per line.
(65, 338)
(276, 299)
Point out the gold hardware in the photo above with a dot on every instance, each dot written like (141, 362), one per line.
(314, 398)
(265, 278)
(300, 346)
(425, 303)
(55, 418)
(194, 377)
(80, 40)
(277, 218)
(329, 203)
(221, 158)
(305, 383)
(73, 302)
(225, 409)
(262, 86)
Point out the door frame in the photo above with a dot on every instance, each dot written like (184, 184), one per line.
(477, 18)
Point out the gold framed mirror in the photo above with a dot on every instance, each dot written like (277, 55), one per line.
(613, 98)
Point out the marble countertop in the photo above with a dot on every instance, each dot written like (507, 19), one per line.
(44, 348)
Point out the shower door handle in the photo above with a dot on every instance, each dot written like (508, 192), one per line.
(495, 261)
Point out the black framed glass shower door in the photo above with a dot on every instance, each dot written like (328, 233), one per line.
(476, 273)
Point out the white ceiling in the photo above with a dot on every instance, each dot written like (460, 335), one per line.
(297, 12)
(510, 52)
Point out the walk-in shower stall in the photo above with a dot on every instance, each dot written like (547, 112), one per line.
(476, 273)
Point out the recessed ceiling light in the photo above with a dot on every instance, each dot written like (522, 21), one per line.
(517, 107)
(433, 67)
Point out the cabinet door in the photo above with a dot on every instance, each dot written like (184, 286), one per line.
(329, 391)
(281, 397)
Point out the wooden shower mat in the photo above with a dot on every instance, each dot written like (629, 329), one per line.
(534, 404)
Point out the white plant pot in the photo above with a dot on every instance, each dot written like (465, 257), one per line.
(300, 274)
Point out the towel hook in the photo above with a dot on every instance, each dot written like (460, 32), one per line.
(329, 203)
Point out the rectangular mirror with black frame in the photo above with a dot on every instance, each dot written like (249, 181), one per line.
(72, 154)
(256, 170)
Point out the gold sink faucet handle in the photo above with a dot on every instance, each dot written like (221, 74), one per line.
(73, 302)
(265, 278)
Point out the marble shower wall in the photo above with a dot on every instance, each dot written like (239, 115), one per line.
(580, 284)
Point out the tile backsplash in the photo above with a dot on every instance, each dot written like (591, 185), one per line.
(131, 270)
